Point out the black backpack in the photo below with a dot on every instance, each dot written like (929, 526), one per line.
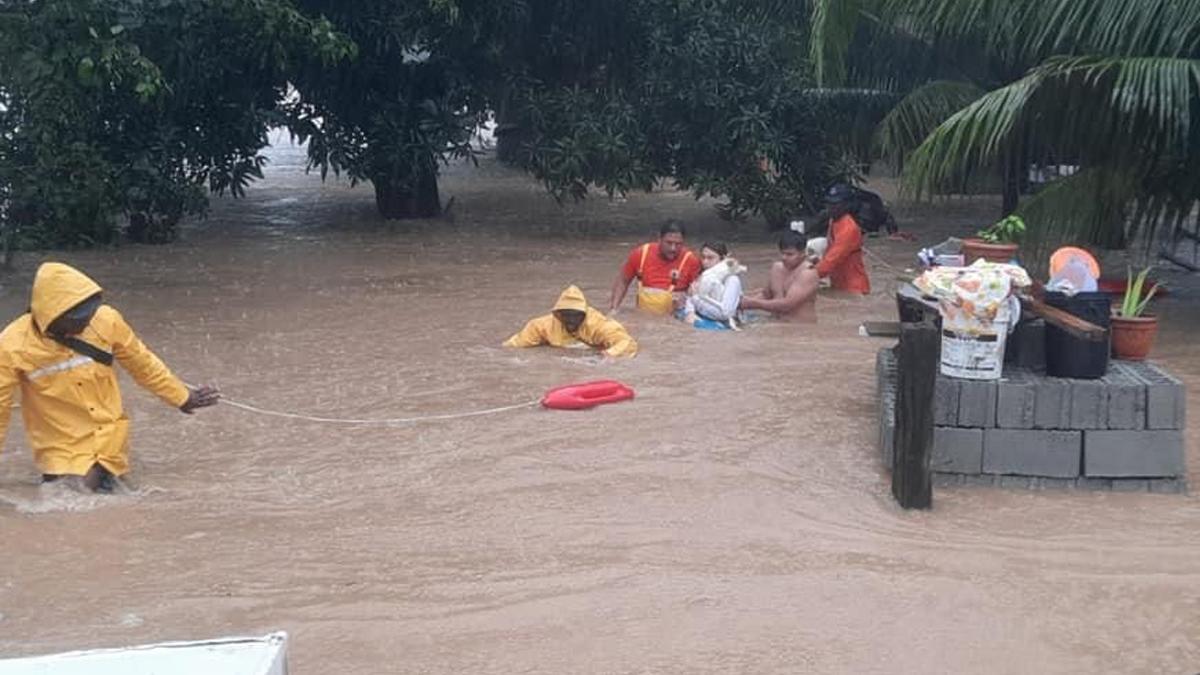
(872, 214)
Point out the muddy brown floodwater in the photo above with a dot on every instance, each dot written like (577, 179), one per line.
(733, 518)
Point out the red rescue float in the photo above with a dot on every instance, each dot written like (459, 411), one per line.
(586, 395)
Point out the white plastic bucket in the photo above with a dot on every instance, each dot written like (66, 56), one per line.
(977, 355)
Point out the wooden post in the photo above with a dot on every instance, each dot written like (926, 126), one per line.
(909, 310)
(915, 308)
(918, 352)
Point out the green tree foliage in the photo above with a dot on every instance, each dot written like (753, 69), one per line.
(711, 94)
(615, 94)
(406, 104)
(138, 108)
(121, 107)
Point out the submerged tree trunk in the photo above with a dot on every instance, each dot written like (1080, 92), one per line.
(397, 201)
(508, 143)
(507, 132)
(9, 230)
(1012, 179)
(147, 228)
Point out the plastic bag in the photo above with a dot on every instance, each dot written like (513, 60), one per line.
(1075, 276)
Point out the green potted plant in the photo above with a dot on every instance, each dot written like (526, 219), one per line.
(998, 243)
(1133, 332)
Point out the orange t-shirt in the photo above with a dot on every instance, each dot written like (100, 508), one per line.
(675, 274)
(843, 261)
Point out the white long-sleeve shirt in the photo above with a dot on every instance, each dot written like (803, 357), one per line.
(727, 308)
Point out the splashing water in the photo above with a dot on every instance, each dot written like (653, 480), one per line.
(66, 496)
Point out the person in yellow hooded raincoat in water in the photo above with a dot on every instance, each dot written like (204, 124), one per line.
(572, 323)
(60, 355)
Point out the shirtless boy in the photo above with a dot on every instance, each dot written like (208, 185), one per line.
(791, 293)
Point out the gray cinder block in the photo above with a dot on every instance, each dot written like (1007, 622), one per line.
(1056, 483)
(1130, 485)
(1128, 454)
(942, 480)
(1166, 398)
(945, 401)
(1173, 486)
(957, 450)
(1023, 482)
(885, 371)
(1032, 452)
(977, 403)
(1052, 403)
(887, 430)
(1089, 404)
(1085, 483)
(1126, 394)
(1016, 401)
(885, 368)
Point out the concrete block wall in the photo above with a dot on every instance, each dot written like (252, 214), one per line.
(1133, 454)
(885, 370)
(1032, 452)
(1166, 399)
(1121, 432)
(1016, 402)
(957, 450)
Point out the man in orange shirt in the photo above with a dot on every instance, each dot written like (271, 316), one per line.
(664, 270)
(843, 260)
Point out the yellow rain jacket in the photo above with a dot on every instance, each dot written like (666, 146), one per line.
(596, 330)
(70, 403)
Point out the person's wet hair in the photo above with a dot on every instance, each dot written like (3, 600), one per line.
(793, 240)
(716, 247)
(671, 226)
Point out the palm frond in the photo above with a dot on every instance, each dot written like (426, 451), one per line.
(1140, 107)
(834, 24)
(971, 140)
(912, 119)
(849, 45)
(1030, 32)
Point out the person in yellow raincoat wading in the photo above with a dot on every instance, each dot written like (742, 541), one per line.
(60, 354)
(573, 323)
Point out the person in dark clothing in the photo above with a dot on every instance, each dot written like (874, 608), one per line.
(868, 209)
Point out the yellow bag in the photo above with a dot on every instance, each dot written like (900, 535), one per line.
(657, 300)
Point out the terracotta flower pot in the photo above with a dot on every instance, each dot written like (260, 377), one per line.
(974, 249)
(1132, 337)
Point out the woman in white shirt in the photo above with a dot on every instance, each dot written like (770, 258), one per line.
(720, 309)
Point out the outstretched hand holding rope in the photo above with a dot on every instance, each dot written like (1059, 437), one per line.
(200, 397)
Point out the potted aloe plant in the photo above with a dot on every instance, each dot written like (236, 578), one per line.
(998, 243)
(1133, 332)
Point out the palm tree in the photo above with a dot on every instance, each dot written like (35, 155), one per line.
(1109, 86)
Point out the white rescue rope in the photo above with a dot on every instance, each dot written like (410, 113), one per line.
(880, 261)
(382, 422)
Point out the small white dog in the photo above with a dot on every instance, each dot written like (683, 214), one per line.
(817, 246)
(712, 280)
(711, 284)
